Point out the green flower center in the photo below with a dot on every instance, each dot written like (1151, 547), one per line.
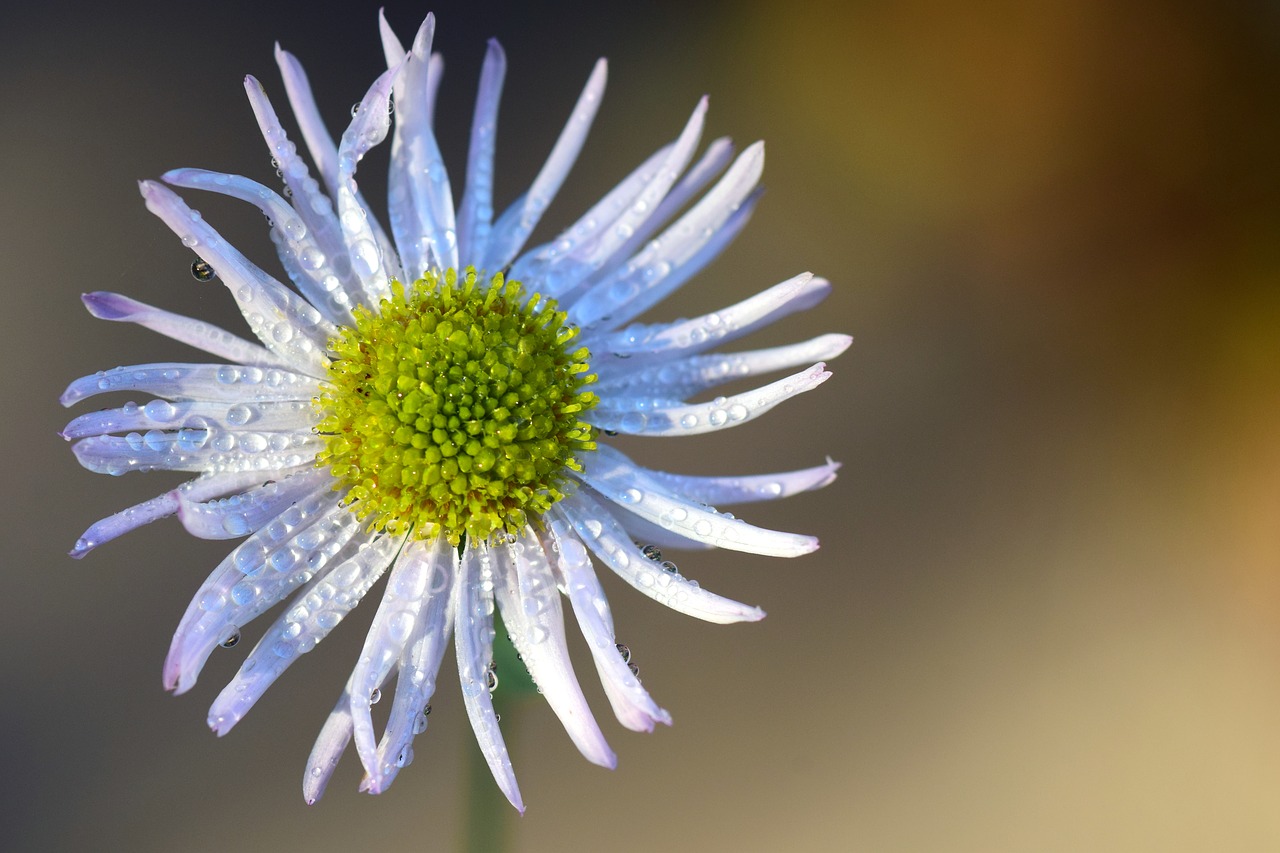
(456, 407)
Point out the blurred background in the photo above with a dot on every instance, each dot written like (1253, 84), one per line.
(1046, 613)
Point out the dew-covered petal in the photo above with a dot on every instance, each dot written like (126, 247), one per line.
(233, 383)
(419, 194)
(319, 606)
(686, 377)
(475, 216)
(643, 415)
(244, 513)
(689, 337)
(196, 333)
(419, 658)
(473, 643)
(609, 541)
(530, 605)
(392, 49)
(286, 324)
(371, 256)
(300, 253)
(270, 417)
(631, 703)
(257, 574)
(652, 533)
(647, 278)
(710, 164)
(638, 492)
(412, 582)
(332, 741)
(327, 262)
(516, 223)
(204, 487)
(324, 153)
(719, 491)
(195, 449)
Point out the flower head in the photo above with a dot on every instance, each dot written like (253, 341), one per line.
(427, 406)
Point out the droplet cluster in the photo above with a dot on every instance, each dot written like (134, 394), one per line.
(457, 405)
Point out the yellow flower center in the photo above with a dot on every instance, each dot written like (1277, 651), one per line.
(456, 407)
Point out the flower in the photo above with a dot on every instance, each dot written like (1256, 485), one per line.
(427, 406)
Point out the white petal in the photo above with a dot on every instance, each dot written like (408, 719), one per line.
(242, 514)
(688, 337)
(605, 537)
(286, 324)
(641, 415)
(718, 491)
(530, 604)
(631, 703)
(315, 611)
(413, 581)
(289, 416)
(331, 266)
(647, 278)
(195, 449)
(635, 491)
(473, 642)
(517, 222)
(475, 216)
(176, 381)
(201, 488)
(332, 741)
(196, 333)
(261, 571)
(323, 152)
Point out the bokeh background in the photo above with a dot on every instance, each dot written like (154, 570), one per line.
(1046, 615)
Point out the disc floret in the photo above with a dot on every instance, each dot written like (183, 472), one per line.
(456, 406)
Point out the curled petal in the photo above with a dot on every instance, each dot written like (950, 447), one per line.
(530, 604)
(317, 609)
(242, 514)
(609, 541)
(234, 383)
(473, 642)
(196, 333)
(631, 703)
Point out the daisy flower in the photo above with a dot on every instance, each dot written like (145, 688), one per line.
(429, 404)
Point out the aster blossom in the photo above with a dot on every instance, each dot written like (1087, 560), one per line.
(428, 404)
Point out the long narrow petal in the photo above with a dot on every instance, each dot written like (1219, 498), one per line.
(176, 381)
(245, 513)
(631, 703)
(286, 324)
(331, 266)
(261, 571)
(609, 541)
(641, 415)
(300, 253)
(644, 279)
(689, 337)
(635, 491)
(473, 642)
(332, 741)
(201, 488)
(324, 153)
(518, 221)
(197, 333)
(475, 216)
(719, 491)
(530, 605)
(393, 627)
(686, 377)
(418, 665)
(318, 608)
(372, 258)
(192, 449)
(290, 416)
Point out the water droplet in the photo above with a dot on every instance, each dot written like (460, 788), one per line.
(635, 670)
(493, 677)
(231, 639)
(202, 271)
(625, 652)
(652, 552)
(375, 696)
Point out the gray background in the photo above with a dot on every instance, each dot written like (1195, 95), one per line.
(1046, 613)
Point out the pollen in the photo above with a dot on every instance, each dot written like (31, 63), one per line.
(456, 407)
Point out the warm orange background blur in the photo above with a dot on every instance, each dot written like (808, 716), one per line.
(1046, 615)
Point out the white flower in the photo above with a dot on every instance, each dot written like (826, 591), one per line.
(406, 415)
